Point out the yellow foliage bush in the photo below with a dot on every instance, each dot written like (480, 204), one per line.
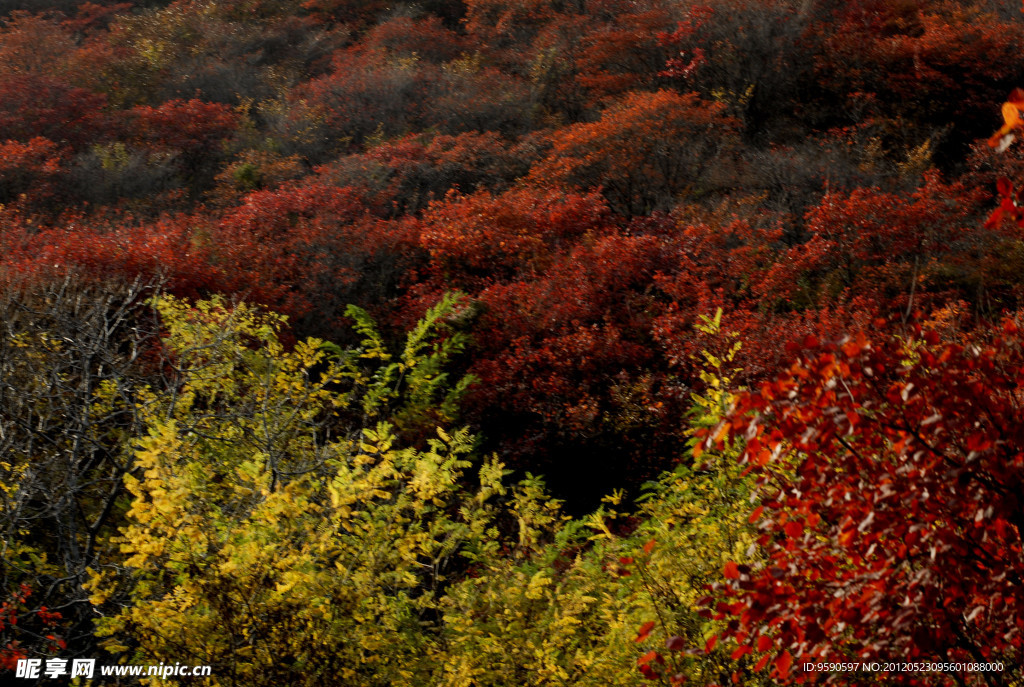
(278, 544)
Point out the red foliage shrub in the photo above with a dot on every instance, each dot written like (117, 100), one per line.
(886, 246)
(46, 45)
(892, 474)
(33, 106)
(317, 249)
(571, 379)
(25, 630)
(27, 168)
(426, 38)
(625, 54)
(190, 126)
(754, 57)
(33, 44)
(479, 239)
(366, 93)
(403, 176)
(378, 94)
(644, 152)
(254, 170)
(171, 247)
(358, 13)
(930, 64)
(193, 130)
(505, 28)
(471, 97)
(294, 249)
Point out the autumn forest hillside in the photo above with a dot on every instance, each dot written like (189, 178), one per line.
(513, 342)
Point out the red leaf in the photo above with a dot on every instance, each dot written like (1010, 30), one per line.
(649, 546)
(675, 643)
(978, 443)
(647, 658)
(711, 644)
(783, 663)
(732, 571)
(995, 218)
(645, 631)
(756, 514)
(649, 672)
(1004, 186)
